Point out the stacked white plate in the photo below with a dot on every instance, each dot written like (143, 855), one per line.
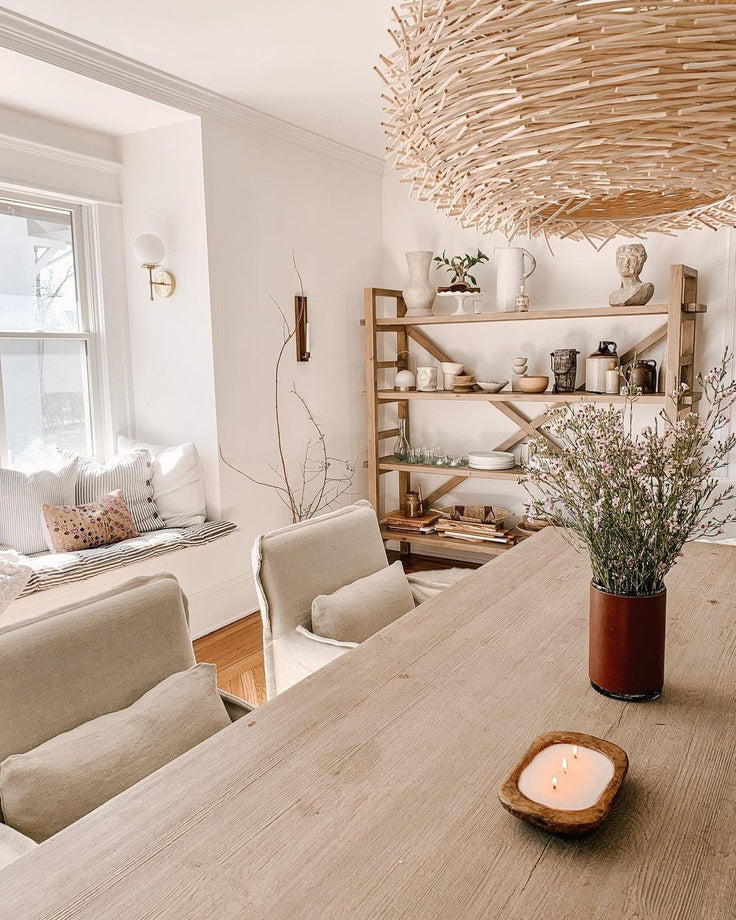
(491, 460)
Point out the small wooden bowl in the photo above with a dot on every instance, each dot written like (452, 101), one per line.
(567, 823)
(533, 384)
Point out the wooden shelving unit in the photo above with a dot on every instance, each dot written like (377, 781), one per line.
(679, 331)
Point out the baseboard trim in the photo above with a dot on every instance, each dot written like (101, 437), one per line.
(220, 605)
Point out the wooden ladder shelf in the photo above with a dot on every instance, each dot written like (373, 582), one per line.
(679, 330)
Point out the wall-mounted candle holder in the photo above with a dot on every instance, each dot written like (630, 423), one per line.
(303, 343)
(565, 783)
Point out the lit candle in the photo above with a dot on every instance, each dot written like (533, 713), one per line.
(580, 784)
(308, 342)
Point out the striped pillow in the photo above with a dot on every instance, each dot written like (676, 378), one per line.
(132, 474)
(21, 497)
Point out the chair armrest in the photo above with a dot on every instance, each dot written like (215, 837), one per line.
(236, 708)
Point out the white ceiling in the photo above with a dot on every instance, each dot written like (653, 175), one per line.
(42, 89)
(310, 63)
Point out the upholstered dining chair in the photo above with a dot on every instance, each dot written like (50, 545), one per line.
(74, 664)
(297, 563)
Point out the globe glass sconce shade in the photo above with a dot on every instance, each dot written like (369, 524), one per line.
(149, 251)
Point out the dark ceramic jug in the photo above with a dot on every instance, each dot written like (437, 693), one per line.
(643, 375)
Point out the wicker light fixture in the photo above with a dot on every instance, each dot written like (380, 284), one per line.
(567, 118)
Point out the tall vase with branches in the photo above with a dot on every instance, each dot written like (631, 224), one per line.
(320, 479)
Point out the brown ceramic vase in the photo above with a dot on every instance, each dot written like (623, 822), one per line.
(626, 645)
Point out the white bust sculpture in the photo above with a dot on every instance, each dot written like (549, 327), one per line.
(630, 259)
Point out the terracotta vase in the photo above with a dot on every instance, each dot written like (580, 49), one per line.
(626, 645)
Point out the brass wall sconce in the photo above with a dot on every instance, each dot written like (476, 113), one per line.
(149, 251)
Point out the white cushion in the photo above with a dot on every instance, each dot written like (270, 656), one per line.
(21, 497)
(178, 481)
(357, 611)
(13, 844)
(14, 576)
(132, 473)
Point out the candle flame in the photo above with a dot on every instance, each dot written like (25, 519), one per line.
(554, 782)
(564, 764)
(575, 751)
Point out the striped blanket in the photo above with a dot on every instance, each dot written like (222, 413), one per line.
(52, 569)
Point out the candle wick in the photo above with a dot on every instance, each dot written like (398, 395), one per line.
(554, 782)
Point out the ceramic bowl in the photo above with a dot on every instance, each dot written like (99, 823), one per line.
(533, 384)
(449, 367)
(464, 380)
(492, 386)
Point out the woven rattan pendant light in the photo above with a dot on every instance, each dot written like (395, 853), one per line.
(568, 118)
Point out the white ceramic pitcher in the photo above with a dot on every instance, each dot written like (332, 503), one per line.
(511, 272)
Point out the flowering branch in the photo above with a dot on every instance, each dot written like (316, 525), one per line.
(634, 500)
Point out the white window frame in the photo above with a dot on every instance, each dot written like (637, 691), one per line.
(85, 247)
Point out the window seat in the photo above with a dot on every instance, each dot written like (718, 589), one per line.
(53, 569)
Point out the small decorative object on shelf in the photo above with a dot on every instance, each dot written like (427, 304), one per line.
(522, 299)
(413, 505)
(460, 267)
(564, 363)
(533, 384)
(405, 379)
(597, 365)
(427, 379)
(302, 334)
(402, 447)
(450, 370)
(419, 294)
(642, 375)
(519, 370)
(511, 276)
(613, 378)
(630, 259)
(565, 783)
(632, 503)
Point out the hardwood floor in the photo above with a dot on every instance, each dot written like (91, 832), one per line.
(237, 650)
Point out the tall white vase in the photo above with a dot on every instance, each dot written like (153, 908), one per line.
(511, 272)
(419, 294)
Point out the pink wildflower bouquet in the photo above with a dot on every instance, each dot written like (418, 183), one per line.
(634, 499)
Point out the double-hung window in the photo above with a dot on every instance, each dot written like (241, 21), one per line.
(46, 336)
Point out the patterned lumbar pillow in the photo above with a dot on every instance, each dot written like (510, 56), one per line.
(21, 497)
(132, 474)
(73, 528)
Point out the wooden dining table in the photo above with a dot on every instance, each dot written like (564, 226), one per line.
(370, 789)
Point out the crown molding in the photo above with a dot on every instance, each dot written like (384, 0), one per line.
(58, 154)
(37, 40)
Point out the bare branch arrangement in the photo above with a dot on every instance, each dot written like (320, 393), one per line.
(322, 479)
(566, 118)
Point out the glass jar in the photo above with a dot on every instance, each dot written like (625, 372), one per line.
(401, 447)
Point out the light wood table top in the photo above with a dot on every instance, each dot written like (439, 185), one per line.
(370, 789)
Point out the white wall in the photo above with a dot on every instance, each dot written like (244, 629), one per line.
(172, 369)
(266, 198)
(576, 275)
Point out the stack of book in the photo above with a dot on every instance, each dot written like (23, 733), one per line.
(398, 521)
(481, 533)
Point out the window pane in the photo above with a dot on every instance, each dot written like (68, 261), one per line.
(38, 287)
(44, 389)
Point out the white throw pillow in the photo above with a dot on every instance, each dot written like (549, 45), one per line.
(132, 474)
(14, 576)
(178, 481)
(357, 611)
(21, 497)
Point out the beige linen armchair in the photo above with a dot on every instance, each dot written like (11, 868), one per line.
(80, 662)
(291, 567)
